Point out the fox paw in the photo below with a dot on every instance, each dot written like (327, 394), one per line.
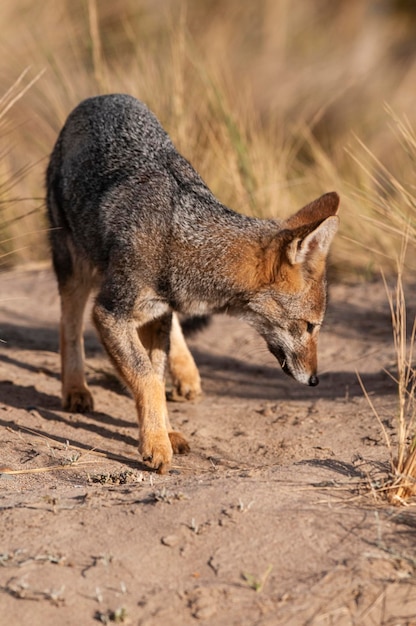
(156, 451)
(185, 389)
(179, 443)
(78, 400)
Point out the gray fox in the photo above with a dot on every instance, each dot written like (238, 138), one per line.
(131, 218)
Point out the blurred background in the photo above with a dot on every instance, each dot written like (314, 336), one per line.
(274, 102)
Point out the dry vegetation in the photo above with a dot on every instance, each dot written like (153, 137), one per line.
(404, 463)
(273, 102)
(269, 100)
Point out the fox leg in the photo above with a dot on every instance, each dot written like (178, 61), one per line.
(75, 281)
(143, 375)
(156, 337)
(184, 372)
(75, 393)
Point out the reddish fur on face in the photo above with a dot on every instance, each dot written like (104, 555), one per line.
(251, 265)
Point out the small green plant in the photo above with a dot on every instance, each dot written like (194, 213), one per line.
(166, 496)
(119, 616)
(256, 583)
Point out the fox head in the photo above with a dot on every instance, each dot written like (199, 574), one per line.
(289, 307)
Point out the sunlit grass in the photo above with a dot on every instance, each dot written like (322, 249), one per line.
(393, 201)
(14, 241)
(264, 101)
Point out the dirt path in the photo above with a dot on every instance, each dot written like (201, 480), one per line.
(269, 521)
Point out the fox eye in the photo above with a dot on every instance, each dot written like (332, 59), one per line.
(310, 327)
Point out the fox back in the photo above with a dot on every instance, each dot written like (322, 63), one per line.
(117, 186)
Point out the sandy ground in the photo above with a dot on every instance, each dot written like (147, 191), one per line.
(274, 518)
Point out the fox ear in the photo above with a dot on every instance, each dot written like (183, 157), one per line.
(311, 243)
(315, 212)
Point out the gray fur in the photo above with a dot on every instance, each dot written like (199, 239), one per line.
(117, 185)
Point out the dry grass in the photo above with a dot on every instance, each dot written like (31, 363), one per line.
(71, 454)
(263, 99)
(404, 465)
(9, 213)
(393, 197)
(401, 487)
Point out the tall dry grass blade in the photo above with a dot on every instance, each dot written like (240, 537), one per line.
(178, 58)
(97, 53)
(404, 484)
(8, 100)
(377, 416)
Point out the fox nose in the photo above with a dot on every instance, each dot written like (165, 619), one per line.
(313, 381)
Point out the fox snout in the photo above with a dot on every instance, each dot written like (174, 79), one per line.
(294, 370)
